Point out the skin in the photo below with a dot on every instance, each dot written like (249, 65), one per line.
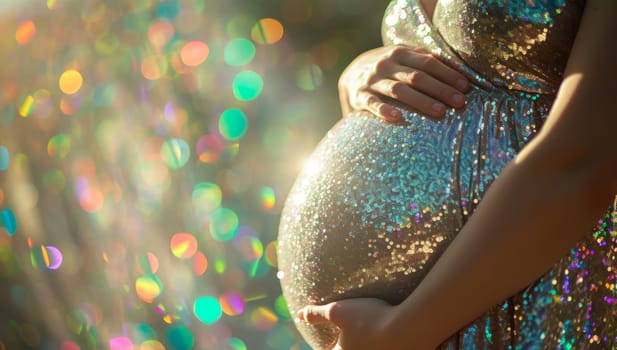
(567, 171)
(411, 76)
(408, 75)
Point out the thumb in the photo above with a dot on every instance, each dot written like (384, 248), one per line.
(316, 314)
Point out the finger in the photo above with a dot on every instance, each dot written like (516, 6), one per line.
(434, 67)
(373, 103)
(402, 52)
(430, 86)
(405, 94)
(336, 313)
(315, 314)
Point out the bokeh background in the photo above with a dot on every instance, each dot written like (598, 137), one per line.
(146, 149)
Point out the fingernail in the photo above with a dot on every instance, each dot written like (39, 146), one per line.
(301, 314)
(458, 99)
(392, 116)
(461, 84)
(438, 107)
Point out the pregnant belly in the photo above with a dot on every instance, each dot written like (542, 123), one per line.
(369, 213)
(377, 203)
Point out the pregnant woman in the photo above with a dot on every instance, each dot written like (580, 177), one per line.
(378, 228)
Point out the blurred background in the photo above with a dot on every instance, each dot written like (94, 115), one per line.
(146, 150)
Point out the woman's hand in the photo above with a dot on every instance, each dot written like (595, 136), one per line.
(409, 75)
(364, 323)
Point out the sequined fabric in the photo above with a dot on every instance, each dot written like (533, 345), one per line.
(377, 203)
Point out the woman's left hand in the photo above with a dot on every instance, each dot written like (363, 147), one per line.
(364, 323)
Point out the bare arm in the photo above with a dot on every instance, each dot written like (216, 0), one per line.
(540, 206)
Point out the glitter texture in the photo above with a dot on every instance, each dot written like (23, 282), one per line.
(376, 203)
(114, 139)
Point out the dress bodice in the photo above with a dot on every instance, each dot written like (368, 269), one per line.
(380, 202)
(517, 44)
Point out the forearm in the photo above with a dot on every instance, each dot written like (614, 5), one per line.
(539, 207)
(531, 216)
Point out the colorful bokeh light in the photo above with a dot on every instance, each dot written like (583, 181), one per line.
(120, 343)
(59, 146)
(148, 263)
(223, 224)
(310, 77)
(206, 197)
(91, 199)
(209, 148)
(54, 257)
(237, 344)
(70, 81)
(250, 247)
(232, 303)
(148, 287)
(151, 345)
(8, 221)
(207, 309)
(233, 124)
(280, 306)
(239, 52)
(200, 264)
(267, 196)
(267, 31)
(263, 318)
(160, 33)
(175, 153)
(69, 345)
(126, 125)
(42, 256)
(183, 245)
(194, 53)
(4, 158)
(247, 85)
(270, 253)
(180, 338)
(26, 106)
(154, 67)
(25, 32)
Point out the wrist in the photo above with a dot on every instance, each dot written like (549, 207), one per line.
(406, 330)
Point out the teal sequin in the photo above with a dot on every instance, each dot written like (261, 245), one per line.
(377, 203)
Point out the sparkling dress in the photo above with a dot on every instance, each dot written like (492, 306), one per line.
(377, 203)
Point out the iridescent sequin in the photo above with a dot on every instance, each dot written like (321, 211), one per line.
(377, 203)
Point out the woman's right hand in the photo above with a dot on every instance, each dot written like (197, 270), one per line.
(409, 75)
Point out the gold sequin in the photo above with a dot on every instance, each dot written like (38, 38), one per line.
(391, 197)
